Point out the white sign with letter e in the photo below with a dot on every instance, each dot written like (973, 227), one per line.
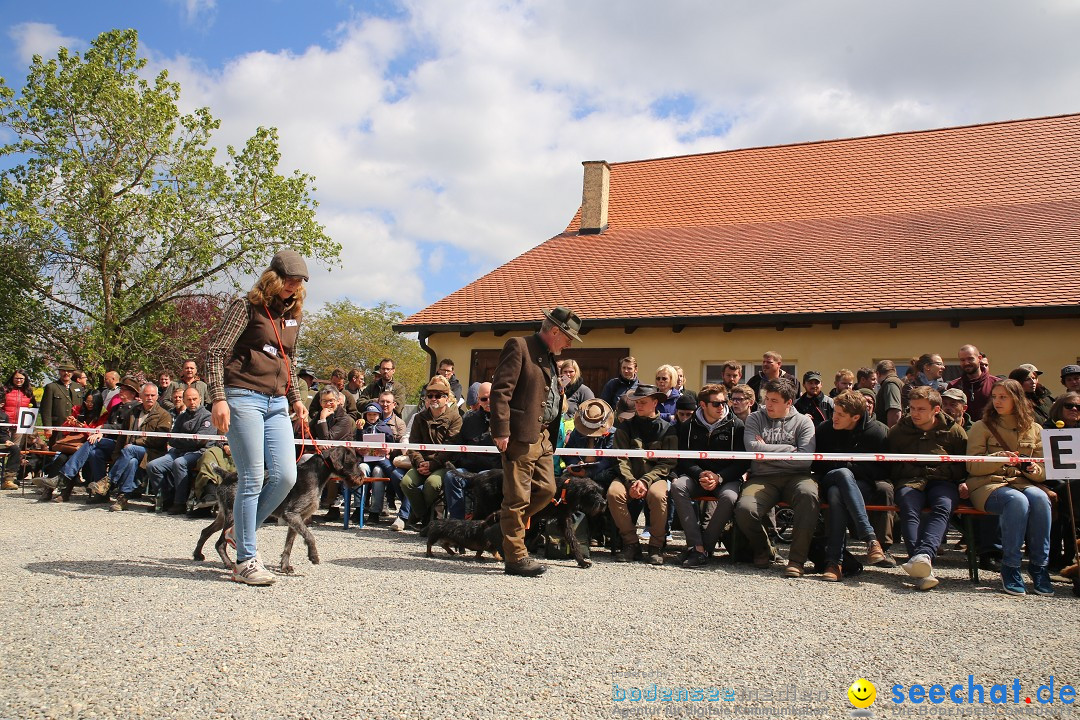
(1061, 449)
(26, 421)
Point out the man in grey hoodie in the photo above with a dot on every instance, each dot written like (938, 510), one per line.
(779, 428)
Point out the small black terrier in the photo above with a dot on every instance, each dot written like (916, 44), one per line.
(463, 534)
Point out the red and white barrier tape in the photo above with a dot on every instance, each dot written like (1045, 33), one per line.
(592, 452)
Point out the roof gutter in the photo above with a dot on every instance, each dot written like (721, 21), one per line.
(730, 322)
(432, 366)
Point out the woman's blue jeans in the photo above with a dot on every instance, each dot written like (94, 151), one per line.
(847, 499)
(261, 438)
(1022, 513)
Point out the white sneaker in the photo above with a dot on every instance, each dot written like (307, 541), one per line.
(252, 572)
(926, 583)
(919, 566)
(398, 525)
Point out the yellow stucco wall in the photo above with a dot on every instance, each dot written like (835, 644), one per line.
(1049, 344)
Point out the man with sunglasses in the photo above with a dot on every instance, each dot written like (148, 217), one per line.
(474, 431)
(712, 427)
(526, 406)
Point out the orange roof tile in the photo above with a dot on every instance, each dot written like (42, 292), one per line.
(892, 212)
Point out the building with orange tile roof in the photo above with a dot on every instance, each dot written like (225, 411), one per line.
(836, 254)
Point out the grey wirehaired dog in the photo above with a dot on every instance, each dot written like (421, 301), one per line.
(295, 510)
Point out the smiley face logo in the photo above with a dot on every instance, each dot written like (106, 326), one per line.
(862, 693)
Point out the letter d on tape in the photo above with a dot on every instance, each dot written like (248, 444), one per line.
(27, 420)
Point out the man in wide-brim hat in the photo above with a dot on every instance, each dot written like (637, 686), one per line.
(526, 404)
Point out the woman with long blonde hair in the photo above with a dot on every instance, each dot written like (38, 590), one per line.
(252, 384)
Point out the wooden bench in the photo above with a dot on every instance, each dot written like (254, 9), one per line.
(965, 510)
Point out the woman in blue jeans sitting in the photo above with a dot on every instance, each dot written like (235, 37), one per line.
(252, 383)
(1011, 488)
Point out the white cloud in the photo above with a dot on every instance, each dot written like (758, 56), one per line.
(455, 131)
(33, 38)
(198, 12)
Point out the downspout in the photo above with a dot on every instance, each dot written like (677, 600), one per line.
(432, 366)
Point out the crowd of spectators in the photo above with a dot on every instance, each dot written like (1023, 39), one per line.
(870, 410)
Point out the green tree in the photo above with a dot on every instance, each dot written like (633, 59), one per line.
(344, 335)
(124, 208)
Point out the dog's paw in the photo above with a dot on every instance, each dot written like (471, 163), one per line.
(287, 570)
(314, 558)
(585, 564)
(198, 557)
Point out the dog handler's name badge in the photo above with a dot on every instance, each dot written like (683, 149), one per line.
(290, 323)
(27, 419)
(270, 350)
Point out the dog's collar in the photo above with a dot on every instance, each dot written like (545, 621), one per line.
(561, 497)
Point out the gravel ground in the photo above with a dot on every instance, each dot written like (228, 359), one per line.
(106, 615)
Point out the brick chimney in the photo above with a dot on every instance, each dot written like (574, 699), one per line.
(594, 197)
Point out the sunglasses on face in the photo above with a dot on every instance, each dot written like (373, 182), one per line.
(484, 399)
(1071, 406)
(435, 396)
(738, 399)
(717, 403)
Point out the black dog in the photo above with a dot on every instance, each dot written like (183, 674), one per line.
(573, 494)
(296, 509)
(463, 534)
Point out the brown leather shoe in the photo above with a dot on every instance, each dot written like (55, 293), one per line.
(526, 567)
(793, 570)
(763, 561)
(833, 573)
(874, 553)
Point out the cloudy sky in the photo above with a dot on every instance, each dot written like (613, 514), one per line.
(446, 137)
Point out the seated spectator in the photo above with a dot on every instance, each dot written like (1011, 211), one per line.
(926, 431)
(680, 385)
(18, 394)
(685, 407)
(206, 475)
(388, 403)
(593, 430)
(384, 382)
(10, 455)
(446, 369)
(376, 463)
(666, 377)
(164, 383)
(712, 427)
(929, 371)
(848, 486)
(642, 478)
(779, 428)
(732, 370)
(866, 378)
(168, 475)
(771, 369)
(354, 388)
(337, 382)
(437, 424)
(890, 395)
(475, 430)
(1011, 488)
(189, 376)
(741, 400)
(1036, 393)
(175, 402)
(1066, 410)
(331, 422)
(98, 448)
(1070, 378)
(870, 397)
(954, 405)
(843, 380)
(574, 389)
(813, 401)
(134, 452)
(622, 383)
(472, 396)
